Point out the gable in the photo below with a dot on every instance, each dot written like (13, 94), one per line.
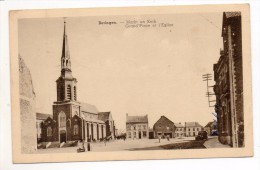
(164, 121)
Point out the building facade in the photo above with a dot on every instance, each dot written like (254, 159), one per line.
(164, 127)
(110, 123)
(179, 130)
(137, 127)
(211, 128)
(192, 129)
(228, 76)
(73, 120)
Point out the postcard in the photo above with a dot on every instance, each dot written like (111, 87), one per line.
(131, 83)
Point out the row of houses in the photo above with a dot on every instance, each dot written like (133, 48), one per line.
(137, 128)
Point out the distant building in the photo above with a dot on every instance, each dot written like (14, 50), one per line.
(192, 128)
(164, 127)
(228, 76)
(180, 130)
(40, 118)
(110, 124)
(211, 128)
(137, 127)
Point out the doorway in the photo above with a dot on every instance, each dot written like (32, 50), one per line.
(63, 136)
(139, 134)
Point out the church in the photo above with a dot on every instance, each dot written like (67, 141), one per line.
(73, 120)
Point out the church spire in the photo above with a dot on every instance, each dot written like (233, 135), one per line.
(65, 57)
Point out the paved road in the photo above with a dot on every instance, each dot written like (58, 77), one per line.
(138, 144)
(118, 145)
(214, 143)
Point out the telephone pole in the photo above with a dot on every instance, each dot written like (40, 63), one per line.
(207, 77)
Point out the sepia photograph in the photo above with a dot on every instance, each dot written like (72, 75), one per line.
(131, 83)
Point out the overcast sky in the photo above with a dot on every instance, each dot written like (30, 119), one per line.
(155, 71)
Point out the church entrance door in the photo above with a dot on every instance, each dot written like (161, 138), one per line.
(140, 136)
(63, 136)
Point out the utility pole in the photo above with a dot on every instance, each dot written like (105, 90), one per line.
(207, 77)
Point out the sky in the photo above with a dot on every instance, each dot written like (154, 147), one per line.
(155, 71)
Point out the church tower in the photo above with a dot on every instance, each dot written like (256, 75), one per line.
(66, 83)
(66, 110)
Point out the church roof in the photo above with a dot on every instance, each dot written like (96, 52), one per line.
(85, 107)
(42, 116)
(192, 124)
(136, 119)
(104, 116)
(91, 119)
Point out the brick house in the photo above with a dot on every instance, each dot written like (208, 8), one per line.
(164, 127)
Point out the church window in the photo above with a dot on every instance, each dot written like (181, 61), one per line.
(69, 92)
(75, 93)
(62, 119)
(76, 130)
(49, 131)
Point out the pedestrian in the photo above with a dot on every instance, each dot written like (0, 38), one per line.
(88, 144)
(83, 142)
(168, 138)
(159, 139)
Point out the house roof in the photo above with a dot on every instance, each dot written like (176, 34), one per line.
(192, 124)
(85, 107)
(104, 116)
(42, 116)
(137, 119)
(232, 14)
(209, 124)
(179, 125)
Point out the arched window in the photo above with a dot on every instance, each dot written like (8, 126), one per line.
(62, 118)
(69, 92)
(49, 131)
(76, 129)
(75, 93)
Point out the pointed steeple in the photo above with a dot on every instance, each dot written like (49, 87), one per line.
(65, 57)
